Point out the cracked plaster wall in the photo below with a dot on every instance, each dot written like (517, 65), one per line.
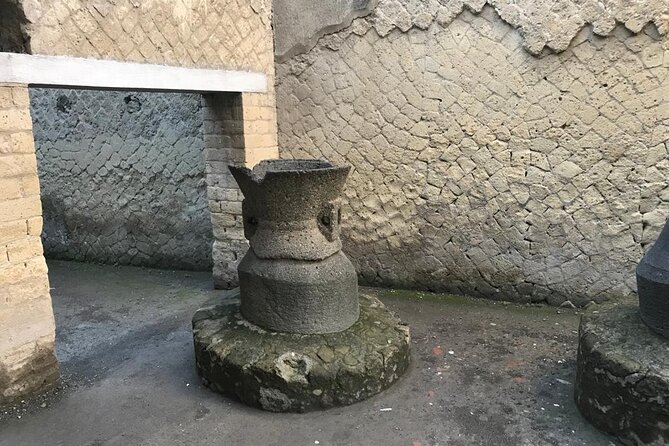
(481, 167)
(123, 177)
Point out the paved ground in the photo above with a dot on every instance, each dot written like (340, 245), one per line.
(483, 373)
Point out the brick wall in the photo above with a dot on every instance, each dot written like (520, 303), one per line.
(238, 129)
(27, 361)
(231, 34)
(260, 134)
(224, 144)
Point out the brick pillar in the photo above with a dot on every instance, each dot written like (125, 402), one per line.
(27, 330)
(223, 145)
(238, 129)
(260, 132)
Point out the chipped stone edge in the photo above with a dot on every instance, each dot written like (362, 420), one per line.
(313, 41)
(357, 22)
(603, 372)
(273, 384)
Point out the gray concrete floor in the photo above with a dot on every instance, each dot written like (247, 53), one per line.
(482, 373)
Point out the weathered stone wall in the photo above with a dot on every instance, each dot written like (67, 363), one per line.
(122, 176)
(27, 361)
(238, 129)
(542, 23)
(12, 36)
(224, 144)
(234, 34)
(484, 168)
(226, 34)
(298, 24)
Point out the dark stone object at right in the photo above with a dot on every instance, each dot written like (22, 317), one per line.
(653, 283)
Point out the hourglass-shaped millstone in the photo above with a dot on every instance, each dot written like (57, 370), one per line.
(299, 337)
(652, 276)
(294, 277)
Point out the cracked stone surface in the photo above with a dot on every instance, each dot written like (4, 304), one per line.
(299, 24)
(283, 372)
(126, 348)
(479, 168)
(224, 33)
(542, 23)
(123, 177)
(622, 380)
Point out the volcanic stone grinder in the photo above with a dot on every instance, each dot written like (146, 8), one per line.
(622, 376)
(295, 278)
(652, 277)
(301, 337)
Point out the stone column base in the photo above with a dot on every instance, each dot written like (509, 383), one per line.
(284, 372)
(28, 371)
(622, 378)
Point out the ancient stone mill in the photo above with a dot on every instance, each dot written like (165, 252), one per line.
(622, 379)
(300, 336)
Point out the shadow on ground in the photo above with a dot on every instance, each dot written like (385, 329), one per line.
(482, 373)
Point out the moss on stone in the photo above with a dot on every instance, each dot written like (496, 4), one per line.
(622, 380)
(286, 372)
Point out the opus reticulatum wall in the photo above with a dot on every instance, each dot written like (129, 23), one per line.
(122, 177)
(216, 34)
(505, 151)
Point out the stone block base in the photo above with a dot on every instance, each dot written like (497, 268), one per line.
(27, 372)
(284, 372)
(622, 381)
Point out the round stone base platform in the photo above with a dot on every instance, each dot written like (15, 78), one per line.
(284, 372)
(622, 378)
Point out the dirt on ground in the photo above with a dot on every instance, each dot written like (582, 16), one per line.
(482, 373)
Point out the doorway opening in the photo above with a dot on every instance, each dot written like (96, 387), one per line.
(122, 177)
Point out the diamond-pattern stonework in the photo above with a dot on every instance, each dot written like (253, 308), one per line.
(480, 168)
(123, 177)
(225, 34)
(234, 34)
(543, 24)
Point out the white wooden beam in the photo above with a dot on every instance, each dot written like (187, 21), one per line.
(65, 71)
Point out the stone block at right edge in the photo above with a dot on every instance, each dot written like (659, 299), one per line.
(622, 377)
(652, 277)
